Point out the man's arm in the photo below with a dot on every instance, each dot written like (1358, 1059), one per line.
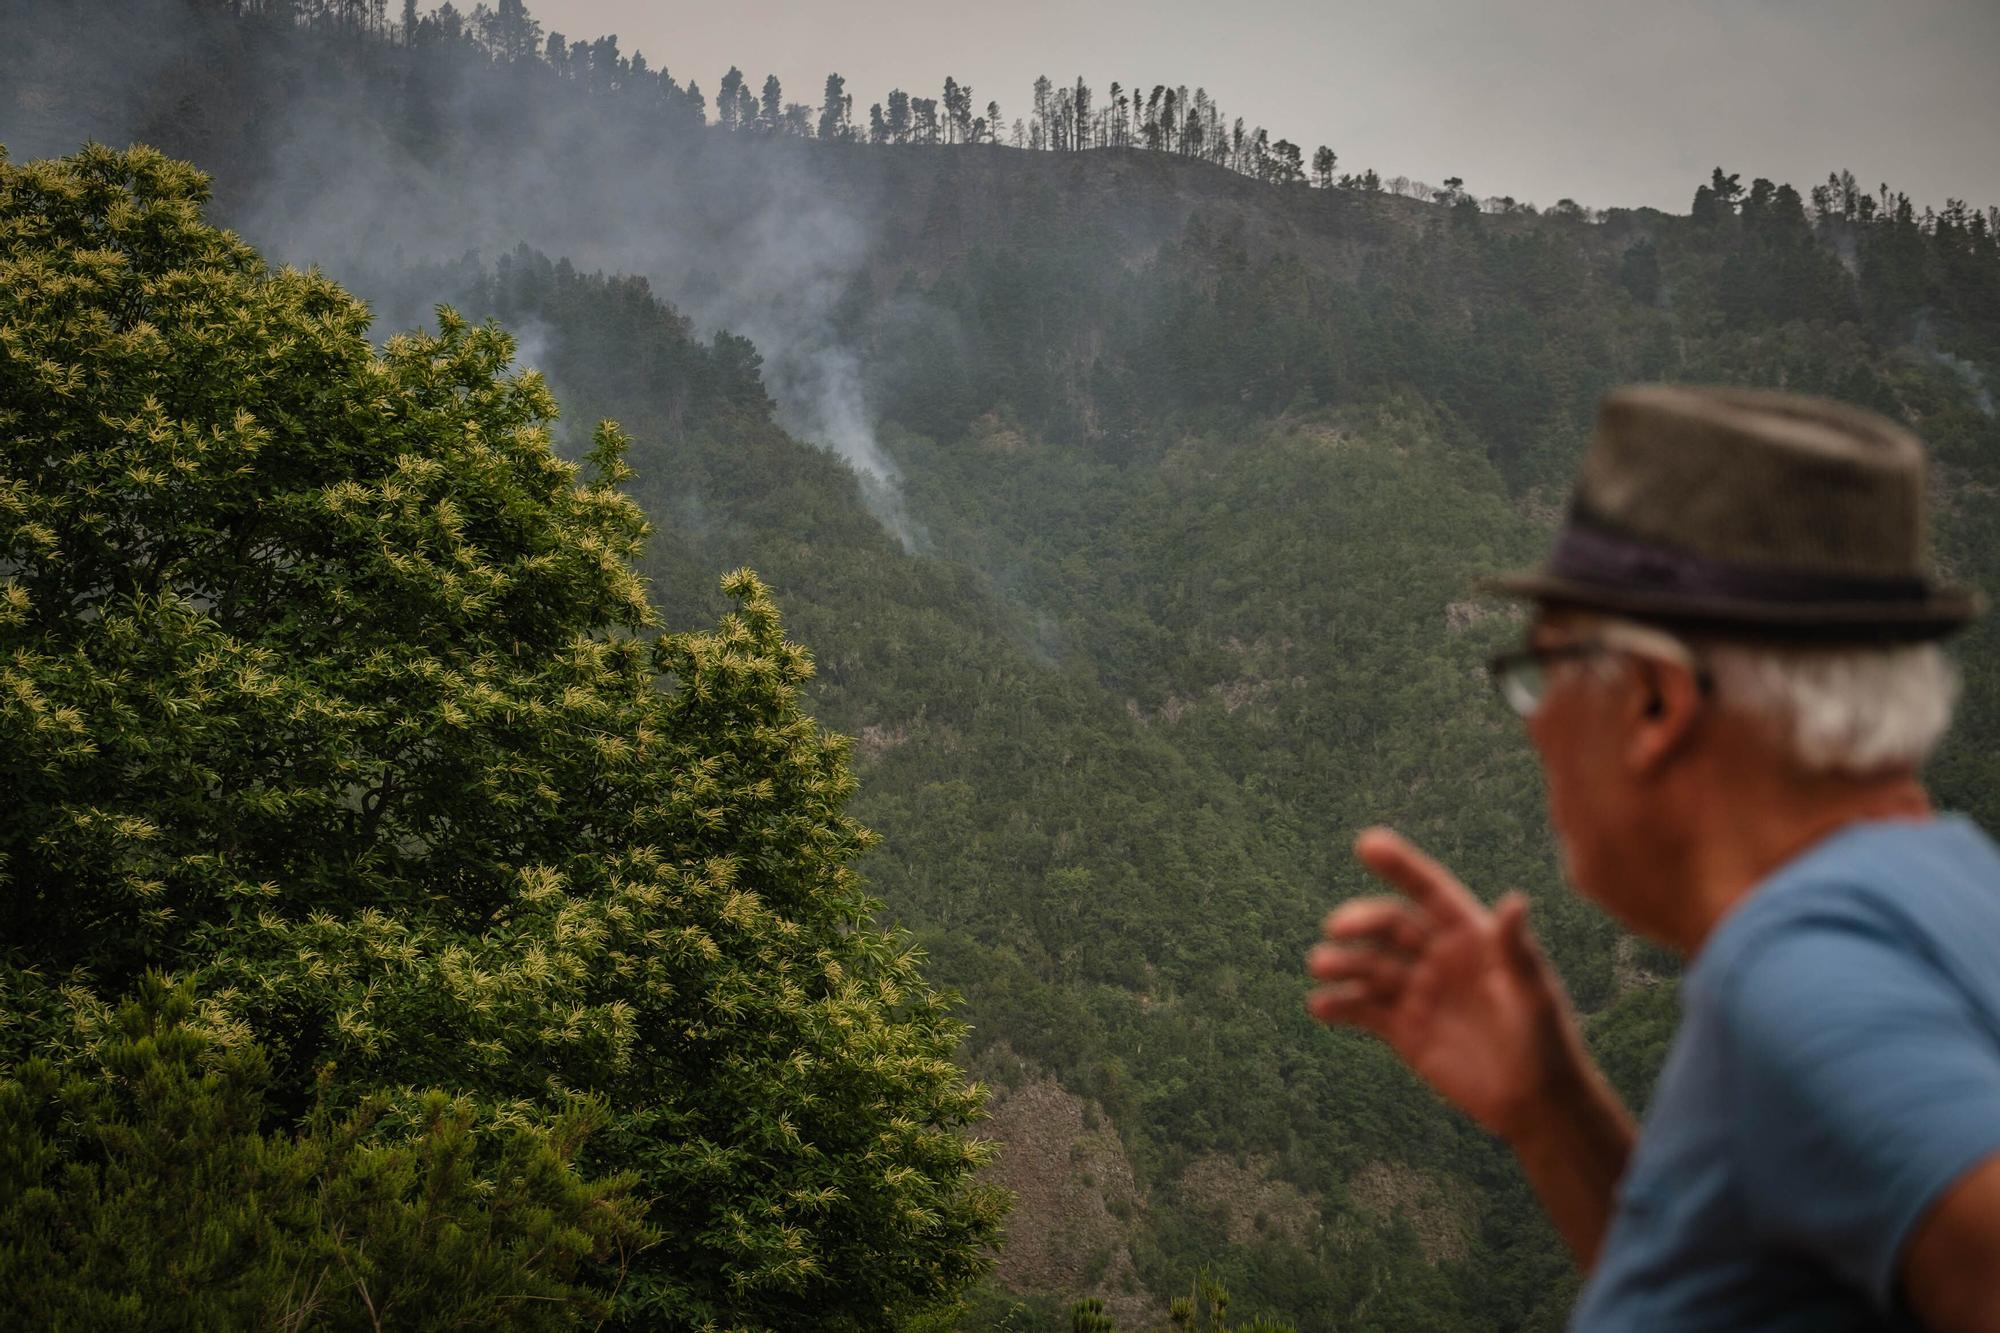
(1465, 998)
(1951, 1270)
(1574, 1147)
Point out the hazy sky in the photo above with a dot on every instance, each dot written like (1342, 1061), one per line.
(1605, 101)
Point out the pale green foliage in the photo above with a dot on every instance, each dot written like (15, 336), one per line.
(1205, 1309)
(1088, 1316)
(137, 1190)
(329, 686)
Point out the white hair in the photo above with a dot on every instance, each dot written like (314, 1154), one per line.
(1852, 710)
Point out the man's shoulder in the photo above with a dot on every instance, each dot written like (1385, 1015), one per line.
(1904, 885)
(1874, 922)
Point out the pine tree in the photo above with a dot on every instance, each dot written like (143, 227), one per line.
(772, 112)
(727, 95)
(1324, 161)
(834, 108)
(951, 107)
(1726, 189)
(898, 122)
(924, 125)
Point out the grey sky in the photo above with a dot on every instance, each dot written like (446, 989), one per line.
(1605, 101)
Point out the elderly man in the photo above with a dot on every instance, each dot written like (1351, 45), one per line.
(1732, 678)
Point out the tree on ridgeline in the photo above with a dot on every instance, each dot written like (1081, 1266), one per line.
(898, 122)
(836, 110)
(601, 65)
(1717, 199)
(727, 95)
(509, 32)
(393, 914)
(957, 111)
(962, 114)
(771, 111)
(1288, 166)
(924, 126)
(1728, 189)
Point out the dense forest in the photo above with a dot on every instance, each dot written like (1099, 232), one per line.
(1120, 477)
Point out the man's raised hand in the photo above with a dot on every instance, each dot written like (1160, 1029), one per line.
(1459, 992)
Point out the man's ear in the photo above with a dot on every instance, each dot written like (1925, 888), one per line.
(1667, 703)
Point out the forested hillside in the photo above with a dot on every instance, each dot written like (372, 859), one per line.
(1124, 477)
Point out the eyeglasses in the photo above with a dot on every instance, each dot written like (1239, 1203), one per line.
(1521, 677)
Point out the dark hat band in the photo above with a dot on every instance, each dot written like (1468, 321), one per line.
(1589, 554)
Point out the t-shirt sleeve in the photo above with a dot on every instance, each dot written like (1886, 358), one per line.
(1864, 1085)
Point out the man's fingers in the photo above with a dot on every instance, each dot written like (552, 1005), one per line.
(1517, 943)
(1392, 857)
(1387, 923)
(1347, 1002)
(1381, 975)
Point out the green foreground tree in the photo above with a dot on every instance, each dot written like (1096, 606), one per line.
(360, 813)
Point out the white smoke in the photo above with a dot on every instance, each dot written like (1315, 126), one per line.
(1968, 374)
(794, 257)
(759, 235)
(531, 343)
(1923, 341)
(821, 400)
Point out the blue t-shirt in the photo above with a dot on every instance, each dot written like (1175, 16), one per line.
(1837, 1067)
